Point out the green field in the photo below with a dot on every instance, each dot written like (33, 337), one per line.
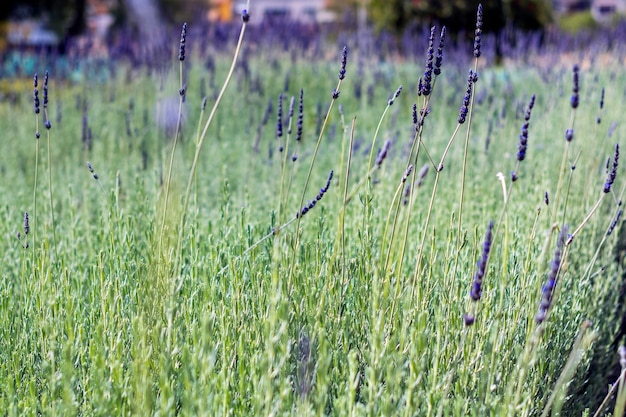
(168, 287)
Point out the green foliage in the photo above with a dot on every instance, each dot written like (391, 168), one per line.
(356, 311)
(576, 22)
(460, 15)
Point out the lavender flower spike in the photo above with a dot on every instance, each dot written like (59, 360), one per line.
(613, 172)
(439, 56)
(476, 291)
(479, 31)
(35, 95)
(463, 110)
(183, 40)
(548, 288)
(308, 206)
(344, 61)
(427, 87)
(574, 99)
(523, 137)
(26, 223)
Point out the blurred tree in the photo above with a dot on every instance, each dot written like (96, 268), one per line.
(178, 11)
(457, 15)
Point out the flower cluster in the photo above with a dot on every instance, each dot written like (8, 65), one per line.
(183, 40)
(466, 99)
(395, 96)
(610, 178)
(26, 223)
(35, 94)
(382, 154)
(300, 116)
(427, 86)
(344, 61)
(439, 55)
(279, 117)
(614, 223)
(523, 137)
(548, 288)
(309, 206)
(479, 31)
(574, 99)
(476, 291)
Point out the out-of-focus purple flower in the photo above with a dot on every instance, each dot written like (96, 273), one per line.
(476, 291)
(548, 287)
(574, 99)
(479, 31)
(613, 172)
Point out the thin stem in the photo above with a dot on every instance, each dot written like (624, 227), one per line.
(306, 184)
(344, 284)
(168, 179)
(196, 158)
(54, 234)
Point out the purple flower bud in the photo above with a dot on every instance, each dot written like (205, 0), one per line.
(464, 109)
(245, 16)
(300, 116)
(479, 30)
(523, 138)
(613, 172)
(309, 205)
(383, 153)
(548, 287)
(574, 99)
(439, 55)
(430, 57)
(395, 96)
(569, 135)
(183, 39)
(279, 117)
(476, 291)
(614, 222)
(344, 61)
(26, 223)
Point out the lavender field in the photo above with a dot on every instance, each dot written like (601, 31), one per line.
(261, 222)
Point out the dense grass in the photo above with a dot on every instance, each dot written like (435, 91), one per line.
(357, 307)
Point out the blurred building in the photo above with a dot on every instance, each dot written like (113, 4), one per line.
(304, 11)
(605, 11)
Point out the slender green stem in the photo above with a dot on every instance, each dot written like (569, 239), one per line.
(196, 158)
(54, 234)
(344, 283)
(306, 185)
(168, 179)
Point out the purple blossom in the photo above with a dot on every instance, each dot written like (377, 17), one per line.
(430, 57)
(439, 55)
(344, 61)
(479, 30)
(574, 99)
(463, 110)
(476, 291)
(547, 290)
(183, 40)
(613, 172)
(523, 137)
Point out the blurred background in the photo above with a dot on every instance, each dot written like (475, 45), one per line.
(55, 24)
